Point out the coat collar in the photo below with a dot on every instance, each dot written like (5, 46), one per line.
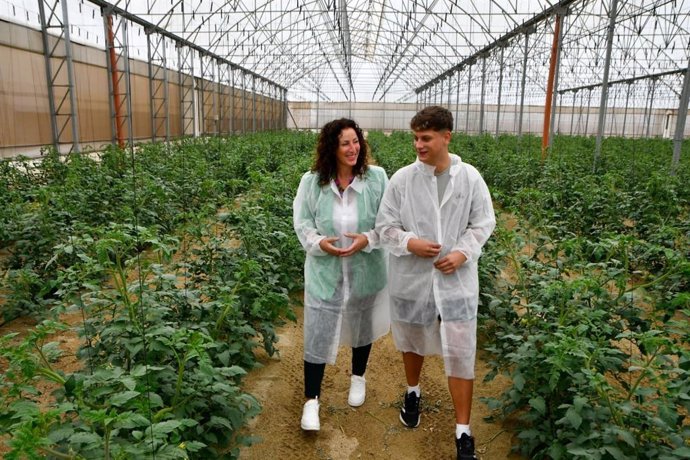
(357, 185)
(428, 170)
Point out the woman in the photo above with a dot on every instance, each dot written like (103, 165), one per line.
(345, 300)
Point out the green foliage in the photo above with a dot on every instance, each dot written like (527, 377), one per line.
(171, 322)
(181, 257)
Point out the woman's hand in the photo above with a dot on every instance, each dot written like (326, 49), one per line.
(360, 241)
(326, 246)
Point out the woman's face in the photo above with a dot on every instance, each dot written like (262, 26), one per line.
(348, 148)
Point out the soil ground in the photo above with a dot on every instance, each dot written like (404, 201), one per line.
(372, 431)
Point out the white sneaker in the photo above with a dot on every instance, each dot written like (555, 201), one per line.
(358, 391)
(310, 415)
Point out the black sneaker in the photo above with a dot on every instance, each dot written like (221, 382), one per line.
(465, 447)
(409, 413)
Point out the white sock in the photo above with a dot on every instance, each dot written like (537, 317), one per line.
(460, 429)
(415, 389)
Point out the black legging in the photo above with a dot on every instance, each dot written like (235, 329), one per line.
(313, 373)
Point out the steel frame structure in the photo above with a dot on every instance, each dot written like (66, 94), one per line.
(496, 54)
(59, 68)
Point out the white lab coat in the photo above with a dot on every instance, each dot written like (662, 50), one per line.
(419, 292)
(345, 298)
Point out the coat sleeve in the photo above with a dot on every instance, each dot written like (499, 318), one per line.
(392, 235)
(304, 219)
(480, 224)
(372, 235)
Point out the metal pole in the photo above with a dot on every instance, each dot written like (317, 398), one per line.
(522, 87)
(469, 85)
(579, 114)
(285, 108)
(589, 106)
(152, 98)
(549, 87)
(612, 124)
(113, 87)
(70, 79)
(440, 93)
(556, 100)
(457, 103)
(500, 89)
(651, 106)
(450, 87)
(244, 103)
(572, 114)
(49, 77)
(253, 104)
(318, 95)
(483, 95)
(613, 11)
(232, 100)
(680, 121)
(625, 111)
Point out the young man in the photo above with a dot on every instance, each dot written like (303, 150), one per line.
(434, 218)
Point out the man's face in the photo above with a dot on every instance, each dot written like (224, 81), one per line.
(431, 145)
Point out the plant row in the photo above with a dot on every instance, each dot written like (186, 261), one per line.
(585, 293)
(179, 259)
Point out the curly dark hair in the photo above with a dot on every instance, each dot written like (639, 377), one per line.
(434, 117)
(325, 162)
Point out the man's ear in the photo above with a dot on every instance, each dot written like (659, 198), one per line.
(447, 135)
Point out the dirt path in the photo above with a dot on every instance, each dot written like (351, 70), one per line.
(373, 430)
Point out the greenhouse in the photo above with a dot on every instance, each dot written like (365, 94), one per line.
(157, 281)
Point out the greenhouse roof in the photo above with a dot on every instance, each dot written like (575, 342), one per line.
(388, 50)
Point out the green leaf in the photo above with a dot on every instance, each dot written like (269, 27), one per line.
(165, 427)
(682, 452)
(538, 404)
(85, 438)
(518, 380)
(119, 399)
(130, 420)
(573, 418)
(616, 452)
(193, 446)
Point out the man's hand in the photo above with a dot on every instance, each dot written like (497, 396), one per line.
(423, 248)
(326, 246)
(451, 262)
(360, 242)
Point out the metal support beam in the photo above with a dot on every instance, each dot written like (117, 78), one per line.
(223, 89)
(457, 103)
(651, 106)
(625, 111)
(483, 95)
(589, 106)
(117, 63)
(500, 89)
(469, 86)
(253, 104)
(158, 86)
(244, 103)
(62, 98)
(613, 12)
(522, 84)
(556, 106)
(285, 108)
(549, 87)
(232, 100)
(680, 121)
(186, 87)
(450, 87)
